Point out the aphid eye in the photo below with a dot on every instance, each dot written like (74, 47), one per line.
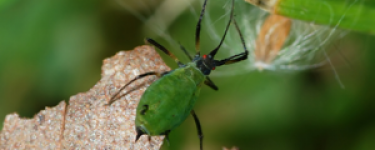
(213, 68)
(204, 56)
(145, 108)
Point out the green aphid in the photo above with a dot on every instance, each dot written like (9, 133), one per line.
(168, 101)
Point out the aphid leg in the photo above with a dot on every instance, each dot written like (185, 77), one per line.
(213, 52)
(211, 84)
(198, 29)
(113, 98)
(238, 57)
(232, 59)
(186, 52)
(198, 124)
(162, 48)
(131, 90)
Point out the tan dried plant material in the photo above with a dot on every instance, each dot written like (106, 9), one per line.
(43, 132)
(86, 122)
(271, 38)
(267, 5)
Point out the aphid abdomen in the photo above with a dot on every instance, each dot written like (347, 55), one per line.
(169, 100)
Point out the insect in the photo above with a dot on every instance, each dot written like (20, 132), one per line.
(168, 101)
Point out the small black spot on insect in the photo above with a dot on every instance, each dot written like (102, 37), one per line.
(145, 108)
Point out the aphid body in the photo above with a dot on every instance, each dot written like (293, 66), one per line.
(168, 101)
(163, 108)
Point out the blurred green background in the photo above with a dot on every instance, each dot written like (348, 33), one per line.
(51, 50)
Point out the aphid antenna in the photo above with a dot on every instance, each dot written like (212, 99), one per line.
(213, 52)
(198, 29)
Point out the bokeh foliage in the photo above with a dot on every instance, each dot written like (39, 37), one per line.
(50, 50)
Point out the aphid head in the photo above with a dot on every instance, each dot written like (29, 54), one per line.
(206, 63)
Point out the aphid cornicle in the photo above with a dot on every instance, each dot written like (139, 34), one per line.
(168, 101)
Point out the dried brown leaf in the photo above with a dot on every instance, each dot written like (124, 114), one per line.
(86, 123)
(42, 132)
(271, 38)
